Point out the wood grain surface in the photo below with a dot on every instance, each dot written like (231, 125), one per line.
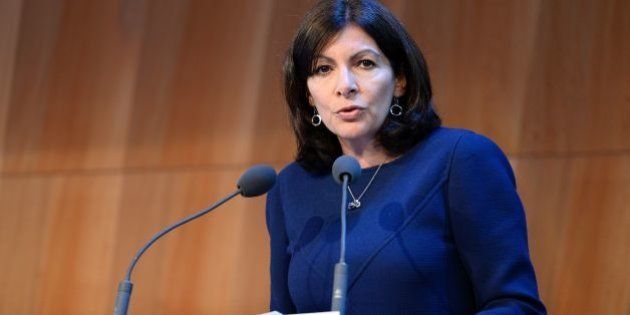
(120, 117)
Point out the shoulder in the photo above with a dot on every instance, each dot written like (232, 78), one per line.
(293, 175)
(444, 144)
(292, 172)
(276, 198)
(461, 142)
(474, 146)
(477, 154)
(444, 139)
(455, 137)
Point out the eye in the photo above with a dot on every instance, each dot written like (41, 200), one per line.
(321, 70)
(367, 64)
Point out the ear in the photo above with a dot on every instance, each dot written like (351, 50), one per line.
(311, 101)
(400, 86)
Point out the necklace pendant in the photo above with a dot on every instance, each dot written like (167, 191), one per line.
(354, 204)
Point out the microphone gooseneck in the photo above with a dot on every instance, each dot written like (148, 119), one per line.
(346, 169)
(256, 181)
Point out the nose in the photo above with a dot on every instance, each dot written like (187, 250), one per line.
(346, 83)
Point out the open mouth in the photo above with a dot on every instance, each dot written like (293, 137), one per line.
(350, 113)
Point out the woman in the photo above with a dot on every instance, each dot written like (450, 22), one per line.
(434, 223)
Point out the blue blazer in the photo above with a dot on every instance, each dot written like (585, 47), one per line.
(441, 230)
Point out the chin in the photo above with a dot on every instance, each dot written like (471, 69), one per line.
(353, 133)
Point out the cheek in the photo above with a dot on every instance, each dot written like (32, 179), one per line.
(315, 93)
(382, 91)
(386, 82)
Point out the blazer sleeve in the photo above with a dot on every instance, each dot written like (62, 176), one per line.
(489, 229)
(280, 258)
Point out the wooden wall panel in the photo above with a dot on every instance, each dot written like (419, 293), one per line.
(536, 76)
(165, 23)
(599, 240)
(542, 184)
(119, 117)
(59, 232)
(78, 244)
(577, 210)
(70, 238)
(578, 94)
(203, 268)
(71, 88)
(24, 115)
(274, 137)
(479, 58)
(9, 25)
(25, 206)
(211, 107)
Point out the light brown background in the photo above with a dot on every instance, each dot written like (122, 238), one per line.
(119, 117)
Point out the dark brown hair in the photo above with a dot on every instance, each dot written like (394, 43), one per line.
(317, 146)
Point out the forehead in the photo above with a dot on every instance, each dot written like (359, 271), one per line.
(349, 40)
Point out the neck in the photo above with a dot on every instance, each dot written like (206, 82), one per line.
(366, 152)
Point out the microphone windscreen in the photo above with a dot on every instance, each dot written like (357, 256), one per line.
(256, 181)
(346, 165)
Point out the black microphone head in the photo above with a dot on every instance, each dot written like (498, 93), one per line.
(257, 180)
(346, 165)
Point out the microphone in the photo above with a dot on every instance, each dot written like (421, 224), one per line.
(256, 181)
(345, 169)
(346, 165)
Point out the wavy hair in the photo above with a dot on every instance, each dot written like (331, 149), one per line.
(317, 147)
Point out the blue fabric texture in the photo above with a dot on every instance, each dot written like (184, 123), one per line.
(441, 230)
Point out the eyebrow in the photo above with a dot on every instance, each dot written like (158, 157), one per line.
(354, 56)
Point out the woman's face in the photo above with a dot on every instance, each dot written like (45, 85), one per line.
(353, 85)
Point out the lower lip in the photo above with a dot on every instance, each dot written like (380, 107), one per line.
(350, 115)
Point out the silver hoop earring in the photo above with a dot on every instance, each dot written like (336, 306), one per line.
(316, 120)
(395, 110)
